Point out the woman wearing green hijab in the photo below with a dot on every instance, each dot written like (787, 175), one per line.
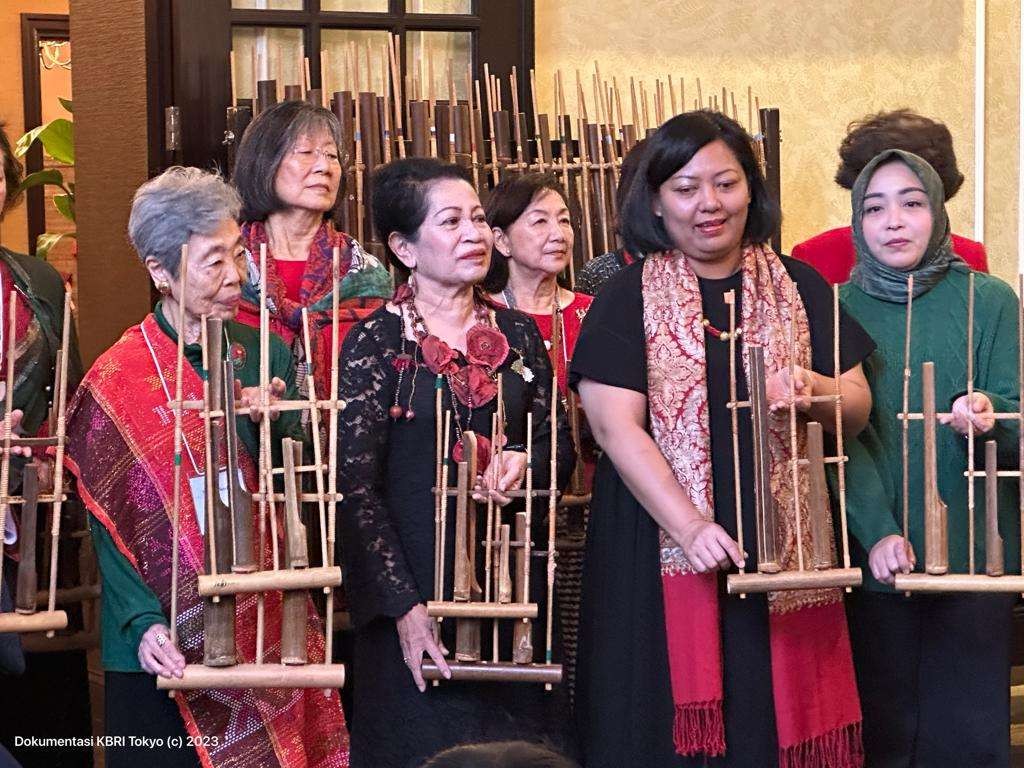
(932, 670)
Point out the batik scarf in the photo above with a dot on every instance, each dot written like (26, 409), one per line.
(816, 706)
(121, 450)
(365, 284)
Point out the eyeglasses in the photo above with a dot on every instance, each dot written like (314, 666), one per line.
(310, 156)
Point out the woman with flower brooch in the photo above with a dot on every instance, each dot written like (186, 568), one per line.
(725, 682)
(438, 332)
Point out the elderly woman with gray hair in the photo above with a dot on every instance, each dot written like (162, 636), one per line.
(289, 173)
(121, 450)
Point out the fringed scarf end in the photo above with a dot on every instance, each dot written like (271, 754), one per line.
(839, 748)
(699, 728)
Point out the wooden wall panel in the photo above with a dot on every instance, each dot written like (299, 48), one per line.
(109, 38)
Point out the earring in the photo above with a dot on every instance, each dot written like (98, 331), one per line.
(163, 287)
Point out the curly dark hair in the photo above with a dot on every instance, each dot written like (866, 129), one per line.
(899, 129)
(12, 169)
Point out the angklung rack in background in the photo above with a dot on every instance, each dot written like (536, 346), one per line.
(26, 616)
(284, 562)
(937, 576)
(491, 136)
(818, 570)
(501, 561)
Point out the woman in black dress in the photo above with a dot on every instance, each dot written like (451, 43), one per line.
(438, 331)
(673, 672)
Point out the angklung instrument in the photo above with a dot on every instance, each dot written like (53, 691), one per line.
(231, 567)
(33, 501)
(816, 569)
(937, 576)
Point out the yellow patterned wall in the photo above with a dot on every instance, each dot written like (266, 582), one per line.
(823, 63)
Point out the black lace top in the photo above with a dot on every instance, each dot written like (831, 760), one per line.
(386, 466)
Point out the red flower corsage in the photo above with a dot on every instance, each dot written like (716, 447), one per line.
(402, 362)
(437, 356)
(483, 454)
(486, 346)
(473, 385)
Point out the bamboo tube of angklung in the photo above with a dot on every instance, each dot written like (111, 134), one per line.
(764, 503)
(25, 592)
(467, 631)
(314, 428)
(840, 443)
(906, 411)
(794, 468)
(197, 677)
(970, 422)
(994, 565)
(522, 631)
(730, 300)
(5, 461)
(176, 498)
(936, 534)
(293, 602)
(820, 517)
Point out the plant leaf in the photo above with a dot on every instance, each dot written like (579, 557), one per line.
(45, 176)
(57, 138)
(26, 141)
(66, 205)
(45, 243)
(66, 103)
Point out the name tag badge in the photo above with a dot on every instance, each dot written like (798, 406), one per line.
(198, 486)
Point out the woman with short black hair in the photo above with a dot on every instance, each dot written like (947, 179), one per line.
(289, 174)
(673, 672)
(437, 333)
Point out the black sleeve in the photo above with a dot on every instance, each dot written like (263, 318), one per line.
(379, 581)
(854, 342)
(611, 348)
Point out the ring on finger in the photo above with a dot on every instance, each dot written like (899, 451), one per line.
(161, 639)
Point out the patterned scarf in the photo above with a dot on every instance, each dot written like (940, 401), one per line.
(121, 450)
(365, 284)
(816, 705)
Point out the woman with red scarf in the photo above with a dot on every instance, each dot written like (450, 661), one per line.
(288, 172)
(438, 333)
(674, 672)
(121, 449)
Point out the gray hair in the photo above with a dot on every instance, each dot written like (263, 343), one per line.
(169, 209)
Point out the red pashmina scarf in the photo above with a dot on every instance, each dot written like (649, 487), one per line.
(817, 709)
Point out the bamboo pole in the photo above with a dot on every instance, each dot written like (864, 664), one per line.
(793, 450)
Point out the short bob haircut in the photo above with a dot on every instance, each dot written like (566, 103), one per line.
(899, 129)
(169, 209)
(670, 148)
(508, 201)
(500, 754)
(399, 198)
(12, 170)
(266, 142)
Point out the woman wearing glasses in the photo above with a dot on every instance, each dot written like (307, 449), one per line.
(288, 172)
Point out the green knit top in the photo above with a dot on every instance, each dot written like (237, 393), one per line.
(874, 479)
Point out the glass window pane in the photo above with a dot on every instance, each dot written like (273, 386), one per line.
(429, 54)
(355, 6)
(439, 6)
(274, 53)
(351, 54)
(268, 5)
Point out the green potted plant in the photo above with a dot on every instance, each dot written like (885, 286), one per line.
(57, 138)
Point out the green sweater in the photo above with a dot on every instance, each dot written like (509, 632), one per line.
(128, 606)
(874, 479)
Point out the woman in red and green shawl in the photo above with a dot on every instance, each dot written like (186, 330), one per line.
(288, 172)
(121, 450)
